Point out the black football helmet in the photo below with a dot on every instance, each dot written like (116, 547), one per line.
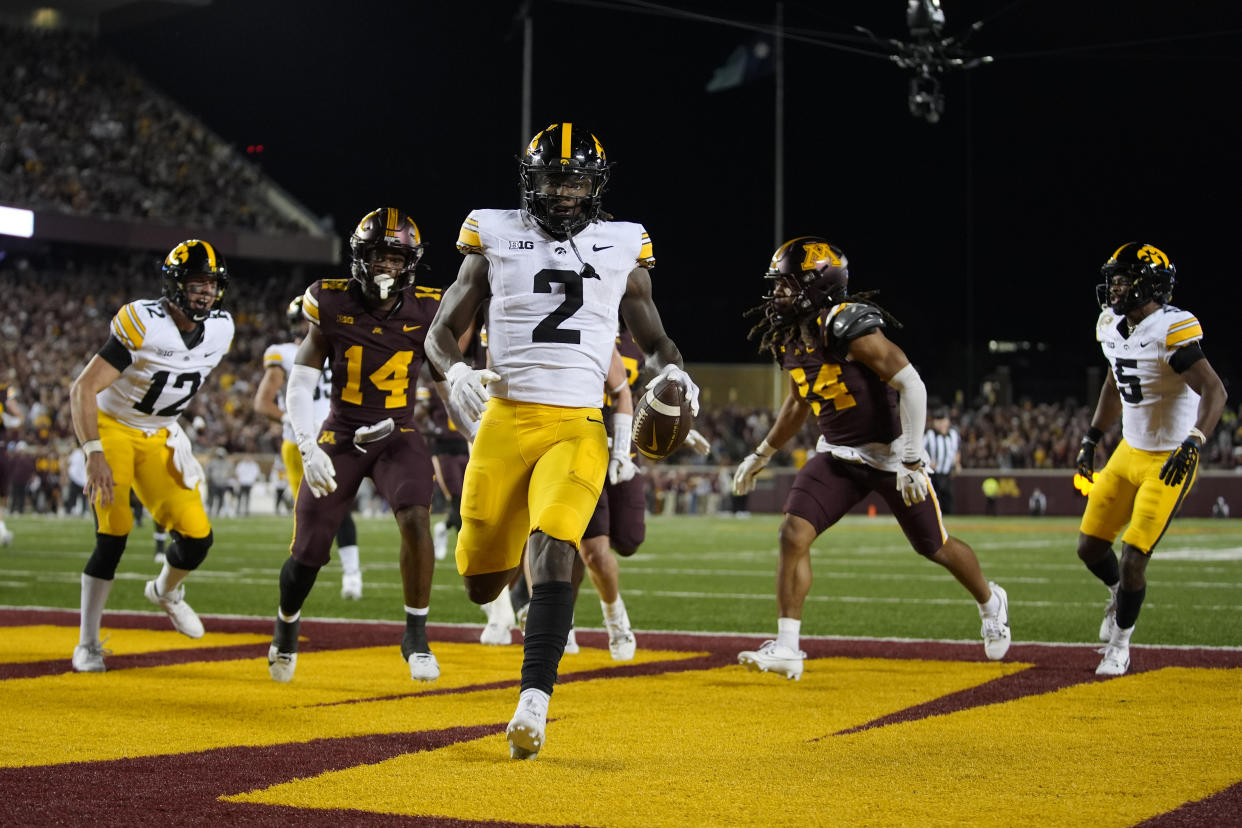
(193, 257)
(1141, 273)
(813, 273)
(384, 230)
(563, 173)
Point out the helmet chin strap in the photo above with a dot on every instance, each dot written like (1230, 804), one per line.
(588, 272)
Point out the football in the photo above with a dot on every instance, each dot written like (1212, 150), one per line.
(662, 419)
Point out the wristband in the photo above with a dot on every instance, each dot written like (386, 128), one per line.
(1195, 432)
(764, 449)
(92, 446)
(1093, 435)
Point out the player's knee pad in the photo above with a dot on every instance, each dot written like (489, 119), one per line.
(188, 553)
(347, 532)
(106, 556)
(563, 522)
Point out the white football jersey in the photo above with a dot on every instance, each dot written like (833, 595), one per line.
(164, 374)
(551, 330)
(1158, 407)
(282, 356)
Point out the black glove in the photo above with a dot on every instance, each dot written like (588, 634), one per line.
(1086, 460)
(1181, 462)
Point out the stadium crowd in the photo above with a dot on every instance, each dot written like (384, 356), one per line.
(62, 301)
(82, 133)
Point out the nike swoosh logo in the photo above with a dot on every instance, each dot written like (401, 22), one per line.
(405, 430)
(655, 445)
(596, 248)
(1144, 344)
(410, 327)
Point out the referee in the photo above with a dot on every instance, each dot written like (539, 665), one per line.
(944, 446)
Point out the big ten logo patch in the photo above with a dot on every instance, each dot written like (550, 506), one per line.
(521, 245)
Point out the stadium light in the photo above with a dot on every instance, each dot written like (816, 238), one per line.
(15, 222)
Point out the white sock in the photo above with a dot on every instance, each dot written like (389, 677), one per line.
(614, 613)
(416, 611)
(288, 619)
(94, 596)
(169, 579)
(990, 607)
(787, 631)
(349, 559)
(1121, 637)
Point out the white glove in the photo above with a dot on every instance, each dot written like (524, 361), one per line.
(677, 375)
(620, 464)
(912, 483)
(697, 442)
(184, 461)
(467, 389)
(317, 468)
(749, 468)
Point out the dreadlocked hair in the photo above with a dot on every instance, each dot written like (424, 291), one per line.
(775, 332)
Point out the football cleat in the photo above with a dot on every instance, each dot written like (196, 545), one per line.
(423, 667)
(282, 655)
(351, 586)
(184, 619)
(995, 628)
(1115, 662)
(89, 658)
(1110, 617)
(6, 537)
(571, 643)
(527, 728)
(774, 658)
(500, 621)
(439, 541)
(622, 644)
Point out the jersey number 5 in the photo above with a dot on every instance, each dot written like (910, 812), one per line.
(1128, 384)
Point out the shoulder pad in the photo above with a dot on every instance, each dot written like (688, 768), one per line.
(468, 238)
(423, 292)
(335, 284)
(646, 258)
(128, 326)
(848, 321)
(1183, 329)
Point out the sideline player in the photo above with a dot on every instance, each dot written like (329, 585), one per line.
(269, 400)
(1169, 399)
(552, 274)
(870, 404)
(371, 327)
(125, 405)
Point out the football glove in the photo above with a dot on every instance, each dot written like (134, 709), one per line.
(1086, 460)
(912, 483)
(747, 471)
(317, 468)
(679, 376)
(697, 442)
(467, 389)
(184, 461)
(1181, 462)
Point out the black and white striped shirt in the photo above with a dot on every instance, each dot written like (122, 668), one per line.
(942, 449)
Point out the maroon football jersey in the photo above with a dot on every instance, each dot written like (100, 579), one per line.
(376, 356)
(852, 405)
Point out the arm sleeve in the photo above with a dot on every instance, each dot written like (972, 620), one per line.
(116, 354)
(299, 401)
(912, 410)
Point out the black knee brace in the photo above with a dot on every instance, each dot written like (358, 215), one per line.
(188, 553)
(296, 580)
(107, 555)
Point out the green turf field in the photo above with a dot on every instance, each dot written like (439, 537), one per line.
(708, 573)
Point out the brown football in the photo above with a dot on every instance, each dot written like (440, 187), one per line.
(662, 419)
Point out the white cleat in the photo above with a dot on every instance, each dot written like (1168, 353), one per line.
(183, 618)
(571, 643)
(6, 537)
(774, 658)
(89, 658)
(528, 725)
(281, 665)
(621, 642)
(1110, 618)
(351, 586)
(500, 621)
(1115, 662)
(423, 667)
(439, 541)
(995, 629)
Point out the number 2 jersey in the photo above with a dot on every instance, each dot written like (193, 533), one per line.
(376, 355)
(1158, 407)
(163, 373)
(550, 327)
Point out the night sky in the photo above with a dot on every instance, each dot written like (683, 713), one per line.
(1086, 132)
